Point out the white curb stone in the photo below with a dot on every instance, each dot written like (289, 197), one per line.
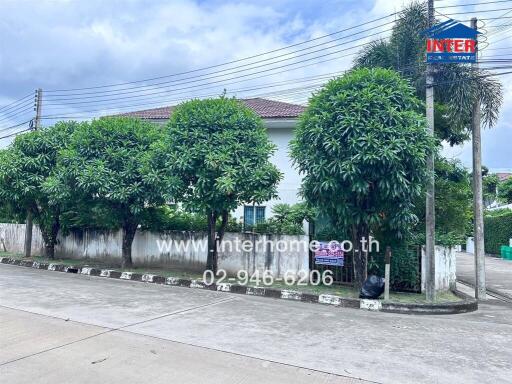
(148, 278)
(197, 284)
(291, 295)
(171, 281)
(371, 305)
(126, 275)
(52, 267)
(106, 272)
(256, 291)
(329, 299)
(86, 271)
(224, 287)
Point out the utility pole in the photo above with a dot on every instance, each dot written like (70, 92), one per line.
(430, 216)
(478, 209)
(29, 223)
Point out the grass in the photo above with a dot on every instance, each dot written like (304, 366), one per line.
(338, 290)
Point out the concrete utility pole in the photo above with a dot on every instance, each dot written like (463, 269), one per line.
(29, 223)
(478, 206)
(430, 216)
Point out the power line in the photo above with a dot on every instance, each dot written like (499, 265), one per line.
(223, 64)
(483, 11)
(15, 102)
(194, 79)
(471, 4)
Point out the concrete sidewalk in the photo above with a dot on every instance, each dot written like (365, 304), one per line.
(498, 272)
(58, 327)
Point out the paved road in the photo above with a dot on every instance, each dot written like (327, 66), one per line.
(57, 327)
(498, 272)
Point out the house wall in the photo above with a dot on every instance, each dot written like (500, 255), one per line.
(289, 186)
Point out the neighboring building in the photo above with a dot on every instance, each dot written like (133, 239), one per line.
(280, 119)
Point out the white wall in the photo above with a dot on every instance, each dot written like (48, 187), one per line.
(174, 249)
(446, 268)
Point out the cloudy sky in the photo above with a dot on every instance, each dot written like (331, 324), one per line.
(64, 46)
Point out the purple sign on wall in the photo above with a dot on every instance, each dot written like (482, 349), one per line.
(329, 254)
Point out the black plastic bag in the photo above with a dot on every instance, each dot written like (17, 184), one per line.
(372, 288)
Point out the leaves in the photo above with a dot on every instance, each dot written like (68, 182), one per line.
(219, 151)
(362, 147)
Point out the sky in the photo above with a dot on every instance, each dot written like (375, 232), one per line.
(75, 44)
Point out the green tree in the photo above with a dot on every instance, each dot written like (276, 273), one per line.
(490, 183)
(453, 197)
(24, 169)
(219, 151)
(456, 86)
(362, 147)
(107, 164)
(505, 191)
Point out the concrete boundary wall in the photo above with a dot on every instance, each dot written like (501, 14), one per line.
(174, 249)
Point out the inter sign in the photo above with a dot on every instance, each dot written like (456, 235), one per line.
(451, 42)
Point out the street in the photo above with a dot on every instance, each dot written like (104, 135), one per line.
(498, 272)
(58, 327)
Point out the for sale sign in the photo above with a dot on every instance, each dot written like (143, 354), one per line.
(329, 254)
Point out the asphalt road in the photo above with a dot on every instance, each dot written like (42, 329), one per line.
(498, 272)
(64, 328)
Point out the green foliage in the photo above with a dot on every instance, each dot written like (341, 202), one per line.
(498, 231)
(362, 147)
(457, 86)
(404, 267)
(219, 152)
(168, 218)
(107, 161)
(453, 199)
(286, 220)
(490, 187)
(505, 191)
(25, 167)
(108, 164)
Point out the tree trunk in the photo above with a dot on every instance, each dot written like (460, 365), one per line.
(211, 261)
(50, 237)
(28, 234)
(360, 255)
(129, 229)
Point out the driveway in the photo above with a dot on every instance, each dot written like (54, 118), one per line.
(57, 327)
(498, 272)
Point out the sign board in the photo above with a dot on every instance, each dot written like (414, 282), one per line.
(451, 42)
(329, 254)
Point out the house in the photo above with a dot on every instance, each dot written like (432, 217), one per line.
(280, 119)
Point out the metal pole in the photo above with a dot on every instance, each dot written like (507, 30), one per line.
(430, 220)
(478, 210)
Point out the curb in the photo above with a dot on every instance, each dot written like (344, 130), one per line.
(490, 291)
(466, 305)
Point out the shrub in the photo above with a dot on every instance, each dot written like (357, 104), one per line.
(498, 231)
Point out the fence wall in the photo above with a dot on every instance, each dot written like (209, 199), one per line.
(173, 249)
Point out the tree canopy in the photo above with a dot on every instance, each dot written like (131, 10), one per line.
(505, 191)
(362, 146)
(218, 152)
(108, 162)
(25, 167)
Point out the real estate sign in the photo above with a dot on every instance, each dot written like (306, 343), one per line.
(329, 254)
(451, 42)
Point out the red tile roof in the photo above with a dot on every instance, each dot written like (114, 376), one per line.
(265, 108)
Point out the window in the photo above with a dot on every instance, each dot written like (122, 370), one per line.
(253, 215)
